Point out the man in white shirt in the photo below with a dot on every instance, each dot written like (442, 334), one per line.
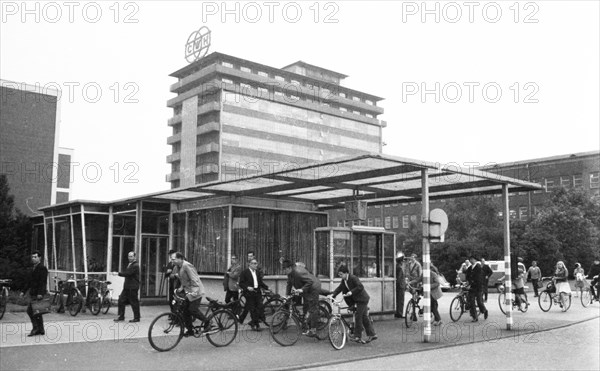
(251, 283)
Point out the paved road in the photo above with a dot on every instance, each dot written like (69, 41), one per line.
(574, 347)
(96, 342)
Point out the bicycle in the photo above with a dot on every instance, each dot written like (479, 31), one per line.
(461, 304)
(167, 329)
(549, 296)
(586, 295)
(413, 309)
(74, 300)
(515, 301)
(57, 303)
(288, 323)
(93, 299)
(339, 329)
(4, 292)
(106, 294)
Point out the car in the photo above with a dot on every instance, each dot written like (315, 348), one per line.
(444, 283)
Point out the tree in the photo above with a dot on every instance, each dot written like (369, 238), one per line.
(15, 238)
(567, 229)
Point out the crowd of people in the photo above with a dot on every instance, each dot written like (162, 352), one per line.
(184, 280)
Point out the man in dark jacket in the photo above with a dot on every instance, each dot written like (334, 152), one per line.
(487, 273)
(37, 289)
(593, 272)
(476, 289)
(302, 282)
(354, 290)
(251, 283)
(129, 295)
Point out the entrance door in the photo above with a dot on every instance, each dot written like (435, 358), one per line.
(153, 260)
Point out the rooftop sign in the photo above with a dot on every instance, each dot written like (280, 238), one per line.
(197, 44)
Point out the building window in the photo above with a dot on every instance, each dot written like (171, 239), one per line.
(413, 219)
(578, 181)
(513, 214)
(595, 180)
(386, 205)
(549, 185)
(279, 78)
(377, 206)
(523, 213)
(536, 210)
(368, 115)
(378, 222)
(264, 92)
(227, 64)
(356, 99)
(395, 223)
(405, 221)
(343, 95)
(370, 222)
(245, 69)
(346, 223)
(245, 86)
(388, 222)
(263, 74)
(343, 109)
(227, 81)
(565, 181)
(279, 94)
(368, 101)
(340, 223)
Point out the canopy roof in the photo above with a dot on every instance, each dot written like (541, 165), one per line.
(376, 178)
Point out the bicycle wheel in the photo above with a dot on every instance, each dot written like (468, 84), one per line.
(285, 328)
(456, 308)
(586, 297)
(165, 332)
(325, 305)
(223, 328)
(106, 302)
(501, 301)
(322, 324)
(94, 301)
(74, 302)
(3, 302)
(271, 306)
(411, 313)
(337, 332)
(545, 301)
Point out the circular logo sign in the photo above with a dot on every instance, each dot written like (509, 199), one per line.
(197, 44)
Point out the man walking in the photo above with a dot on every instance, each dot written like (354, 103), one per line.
(400, 286)
(37, 290)
(251, 282)
(475, 290)
(129, 295)
(535, 274)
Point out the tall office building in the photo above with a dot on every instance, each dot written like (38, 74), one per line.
(36, 168)
(234, 117)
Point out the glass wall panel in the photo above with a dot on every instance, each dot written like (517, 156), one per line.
(64, 249)
(207, 244)
(155, 222)
(124, 224)
(78, 234)
(366, 257)
(341, 250)
(179, 231)
(121, 247)
(96, 235)
(388, 255)
(50, 244)
(323, 253)
(274, 234)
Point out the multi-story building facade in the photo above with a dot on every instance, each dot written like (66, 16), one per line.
(578, 170)
(37, 169)
(233, 117)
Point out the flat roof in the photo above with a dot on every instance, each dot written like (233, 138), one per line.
(376, 178)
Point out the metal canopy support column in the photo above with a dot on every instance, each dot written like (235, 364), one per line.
(109, 249)
(507, 263)
(84, 243)
(426, 259)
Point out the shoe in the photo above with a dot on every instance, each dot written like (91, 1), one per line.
(134, 320)
(188, 333)
(475, 319)
(119, 319)
(34, 333)
(310, 333)
(371, 338)
(485, 315)
(420, 311)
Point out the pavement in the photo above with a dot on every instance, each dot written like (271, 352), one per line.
(256, 350)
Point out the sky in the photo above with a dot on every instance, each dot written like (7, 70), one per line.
(463, 82)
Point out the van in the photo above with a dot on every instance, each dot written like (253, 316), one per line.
(497, 267)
